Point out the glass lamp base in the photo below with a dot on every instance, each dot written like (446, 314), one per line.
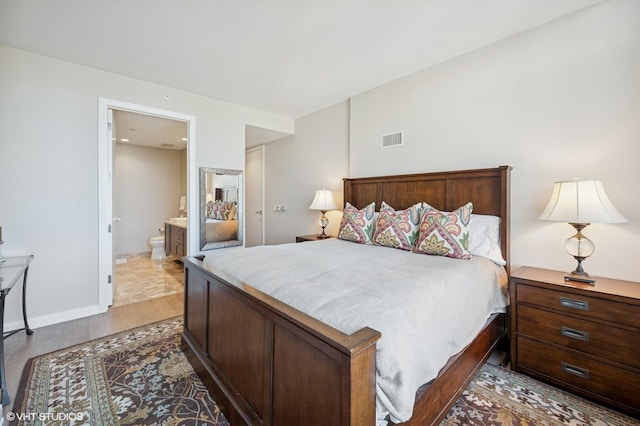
(580, 247)
(324, 221)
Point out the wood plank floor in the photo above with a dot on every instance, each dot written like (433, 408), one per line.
(20, 347)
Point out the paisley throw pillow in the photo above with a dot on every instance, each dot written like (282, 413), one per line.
(445, 233)
(357, 225)
(397, 229)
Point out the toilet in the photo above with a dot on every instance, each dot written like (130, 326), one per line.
(157, 247)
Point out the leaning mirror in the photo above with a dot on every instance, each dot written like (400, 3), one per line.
(220, 208)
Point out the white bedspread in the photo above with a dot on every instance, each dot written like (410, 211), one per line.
(427, 308)
(217, 230)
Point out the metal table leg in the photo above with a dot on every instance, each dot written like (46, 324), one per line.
(5, 395)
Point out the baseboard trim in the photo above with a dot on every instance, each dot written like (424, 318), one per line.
(55, 318)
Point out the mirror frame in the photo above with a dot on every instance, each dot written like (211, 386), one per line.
(204, 245)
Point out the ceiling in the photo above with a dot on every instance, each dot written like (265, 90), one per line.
(147, 130)
(288, 57)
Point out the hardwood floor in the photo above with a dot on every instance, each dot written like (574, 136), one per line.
(20, 347)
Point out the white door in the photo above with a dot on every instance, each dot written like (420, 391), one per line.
(110, 247)
(254, 197)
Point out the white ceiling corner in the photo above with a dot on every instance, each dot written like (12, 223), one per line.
(255, 136)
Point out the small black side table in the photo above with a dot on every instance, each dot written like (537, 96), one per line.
(11, 269)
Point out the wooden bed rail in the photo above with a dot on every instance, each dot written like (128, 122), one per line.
(268, 363)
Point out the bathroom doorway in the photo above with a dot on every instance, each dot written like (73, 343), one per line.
(148, 166)
(149, 187)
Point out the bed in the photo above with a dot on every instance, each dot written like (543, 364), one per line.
(221, 229)
(268, 363)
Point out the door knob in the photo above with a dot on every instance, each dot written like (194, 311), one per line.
(259, 212)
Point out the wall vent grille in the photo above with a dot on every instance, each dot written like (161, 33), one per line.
(168, 145)
(391, 140)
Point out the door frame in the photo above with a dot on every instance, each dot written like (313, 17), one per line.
(105, 188)
(262, 149)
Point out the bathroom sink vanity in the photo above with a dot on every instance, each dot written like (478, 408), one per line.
(175, 237)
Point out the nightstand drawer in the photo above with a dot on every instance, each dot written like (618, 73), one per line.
(606, 310)
(608, 342)
(581, 373)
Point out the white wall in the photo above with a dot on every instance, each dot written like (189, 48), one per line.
(556, 102)
(49, 169)
(315, 157)
(147, 184)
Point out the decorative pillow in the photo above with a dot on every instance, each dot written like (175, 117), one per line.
(445, 233)
(210, 206)
(357, 225)
(397, 229)
(484, 241)
(219, 210)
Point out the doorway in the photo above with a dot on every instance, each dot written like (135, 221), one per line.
(149, 184)
(107, 218)
(256, 139)
(254, 187)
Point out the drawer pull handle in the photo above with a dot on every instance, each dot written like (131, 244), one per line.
(574, 334)
(574, 304)
(576, 371)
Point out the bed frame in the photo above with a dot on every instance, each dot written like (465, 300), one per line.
(265, 363)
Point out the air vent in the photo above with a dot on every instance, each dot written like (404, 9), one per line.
(391, 140)
(168, 145)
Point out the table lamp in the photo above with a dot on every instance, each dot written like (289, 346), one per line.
(580, 203)
(324, 202)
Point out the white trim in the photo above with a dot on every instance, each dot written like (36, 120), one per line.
(104, 219)
(55, 318)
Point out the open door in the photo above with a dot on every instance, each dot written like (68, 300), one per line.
(106, 219)
(110, 276)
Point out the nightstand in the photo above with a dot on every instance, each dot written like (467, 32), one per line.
(580, 337)
(312, 237)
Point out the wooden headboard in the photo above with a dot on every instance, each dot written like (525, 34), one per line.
(487, 189)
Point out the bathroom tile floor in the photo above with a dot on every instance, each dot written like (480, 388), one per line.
(142, 278)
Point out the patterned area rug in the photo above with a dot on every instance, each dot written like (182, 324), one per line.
(137, 377)
(141, 377)
(498, 396)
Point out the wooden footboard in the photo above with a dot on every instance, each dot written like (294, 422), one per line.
(269, 364)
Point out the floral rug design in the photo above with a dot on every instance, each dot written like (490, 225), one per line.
(136, 377)
(141, 377)
(498, 396)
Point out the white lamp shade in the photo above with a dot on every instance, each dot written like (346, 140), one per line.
(323, 201)
(581, 201)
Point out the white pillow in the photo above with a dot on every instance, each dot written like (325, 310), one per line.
(484, 237)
